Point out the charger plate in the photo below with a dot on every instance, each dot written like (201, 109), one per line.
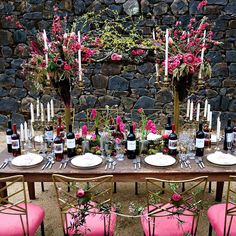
(27, 160)
(222, 159)
(160, 160)
(88, 160)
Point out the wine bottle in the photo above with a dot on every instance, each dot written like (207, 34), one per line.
(61, 127)
(200, 139)
(15, 142)
(131, 144)
(172, 143)
(58, 146)
(234, 134)
(48, 133)
(228, 135)
(168, 127)
(207, 133)
(70, 142)
(9, 133)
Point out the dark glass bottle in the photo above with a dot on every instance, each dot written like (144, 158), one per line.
(70, 142)
(172, 143)
(61, 127)
(15, 139)
(200, 139)
(207, 133)
(168, 127)
(131, 144)
(234, 133)
(58, 146)
(117, 133)
(9, 133)
(228, 135)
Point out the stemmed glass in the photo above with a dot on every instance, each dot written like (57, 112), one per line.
(229, 147)
(108, 150)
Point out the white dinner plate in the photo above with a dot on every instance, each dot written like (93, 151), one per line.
(220, 158)
(88, 160)
(27, 160)
(160, 160)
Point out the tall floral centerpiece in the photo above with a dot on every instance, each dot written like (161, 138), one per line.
(56, 60)
(183, 65)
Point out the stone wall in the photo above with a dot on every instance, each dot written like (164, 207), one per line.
(129, 86)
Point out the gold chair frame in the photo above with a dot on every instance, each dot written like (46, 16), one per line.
(7, 205)
(161, 191)
(72, 200)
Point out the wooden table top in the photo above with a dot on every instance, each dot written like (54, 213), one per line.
(124, 171)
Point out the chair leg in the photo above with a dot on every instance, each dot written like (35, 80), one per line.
(68, 188)
(42, 187)
(114, 189)
(210, 230)
(183, 187)
(163, 186)
(136, 188)
(42, 229)
(209, 189)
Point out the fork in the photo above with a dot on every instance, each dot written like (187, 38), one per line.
(138, 162)
(135, 163)
(201, 161)
(114, 165)
(4, 163)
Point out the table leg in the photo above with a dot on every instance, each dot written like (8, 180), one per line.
(136, 188)
(4, 192)
(219, 191)
(31, 190)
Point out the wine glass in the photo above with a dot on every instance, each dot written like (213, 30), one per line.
(108, 150)
(120, 152)
(229, 147)
(85, 146)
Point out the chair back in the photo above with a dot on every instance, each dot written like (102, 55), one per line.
(165, 198)
(15, 202)
(230, 210)
(97, 189)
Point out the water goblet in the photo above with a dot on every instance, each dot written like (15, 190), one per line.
(229, 147)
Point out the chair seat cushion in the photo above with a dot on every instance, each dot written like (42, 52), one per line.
(168, 225)
(216, 217)
(94, 225)
(10, 225)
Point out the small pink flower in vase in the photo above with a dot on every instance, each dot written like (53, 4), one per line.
(116, 57)
(80, 193)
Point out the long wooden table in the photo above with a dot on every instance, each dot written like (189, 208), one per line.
(124, 172)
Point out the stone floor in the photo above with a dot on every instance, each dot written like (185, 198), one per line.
(125, 194)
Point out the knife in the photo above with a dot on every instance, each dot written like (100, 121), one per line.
(65, 164)
(44, 166)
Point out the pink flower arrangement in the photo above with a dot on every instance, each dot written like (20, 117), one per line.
(116, 57)
(122, 127)
(118, 120)
(93, 113)
(80, 193)
(151, 127)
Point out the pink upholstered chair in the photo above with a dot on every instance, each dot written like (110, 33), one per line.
(17, 217)
(99, 217)
(222, 216)
(170, 211)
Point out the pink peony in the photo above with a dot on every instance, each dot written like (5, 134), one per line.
(176, 197)
(84, 130)
(93, 113)
(116, 57)
(201, 4)
(188, 58)
(137, 52)
(93, 137)
(80, 193)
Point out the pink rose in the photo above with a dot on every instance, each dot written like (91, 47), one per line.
(137, 52)
(176, 197)
(94, 113)
(116, 57)
(140, 110)
(165, 136)
(177, 23)
(118, 141)
(201, 4)
(80, 193)
(170, 40)
(84, 130)
(67, 67)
